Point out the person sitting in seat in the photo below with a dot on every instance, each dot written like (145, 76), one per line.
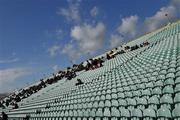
(79, 82)
(15, 106)
(4, 116)
(108, 56)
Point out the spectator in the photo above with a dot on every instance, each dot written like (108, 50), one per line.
(126, 47)
(100, 61)
(88, 66)
(15, 106)
(108, 56)
(4, 116)
(79, 82)
(1, 105)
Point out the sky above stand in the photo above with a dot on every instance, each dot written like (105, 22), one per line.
(40, 37)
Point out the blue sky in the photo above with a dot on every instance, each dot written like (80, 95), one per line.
(38, 37)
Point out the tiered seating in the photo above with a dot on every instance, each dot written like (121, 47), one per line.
(141, 84)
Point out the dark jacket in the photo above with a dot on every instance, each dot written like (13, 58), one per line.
(4, 116)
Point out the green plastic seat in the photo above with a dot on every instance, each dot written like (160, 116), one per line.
(157, 91)
(152, 78)
(107, 103)
(164, 112)
(141, 103)
(115, 112)
(176, 113)
(107, 112)
(171, 69)
(153, 102)
(136, 93)
(124, 113)
(168, 90)
(149, 113)
(177, 99)
(163, 72)
(178, 73)
(178, 67)
(95, 104)
(131, 101)
(136, 113)
(122, 102)
(92, 113)
(101, 104)
(141, 86)
(161, 77)
(166, 100)
(158, 83)
(128, 94)
(121, 95)
(177, 88)
(70, 113)
(114, 96)
(146, 93)
(114, 103)
(99, 112)
(170, 75)
(108, 96)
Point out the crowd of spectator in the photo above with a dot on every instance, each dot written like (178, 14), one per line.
(69, 73)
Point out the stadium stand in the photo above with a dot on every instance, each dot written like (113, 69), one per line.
(142, 83)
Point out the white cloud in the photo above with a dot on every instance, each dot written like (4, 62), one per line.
(89, 38)
(54, 50)
(116, 40)
(72, 12)
(10, 75)
(9, 61)
(71, 51)
(55, 68)
(131, 27)
(94, 11)
(128, 26)
(176, 3)
(159, 19)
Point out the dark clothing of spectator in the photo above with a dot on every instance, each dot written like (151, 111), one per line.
(108, 56)
(16, 106)
(7, 103)
(27, 117)
(1, 105)
(134, 47)
(4, 116)
(79, 82)
(71, 75)
(127, 48)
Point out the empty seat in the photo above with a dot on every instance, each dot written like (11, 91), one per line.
(177, 99)
(125, 114)
(168, 90)
(176, 113)
(115, 112)
(153, 102)
(157, 91)
(141, 103)
(177, 88)
(136, 114)
(149, 114)
(164, 113)
(166, 101)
